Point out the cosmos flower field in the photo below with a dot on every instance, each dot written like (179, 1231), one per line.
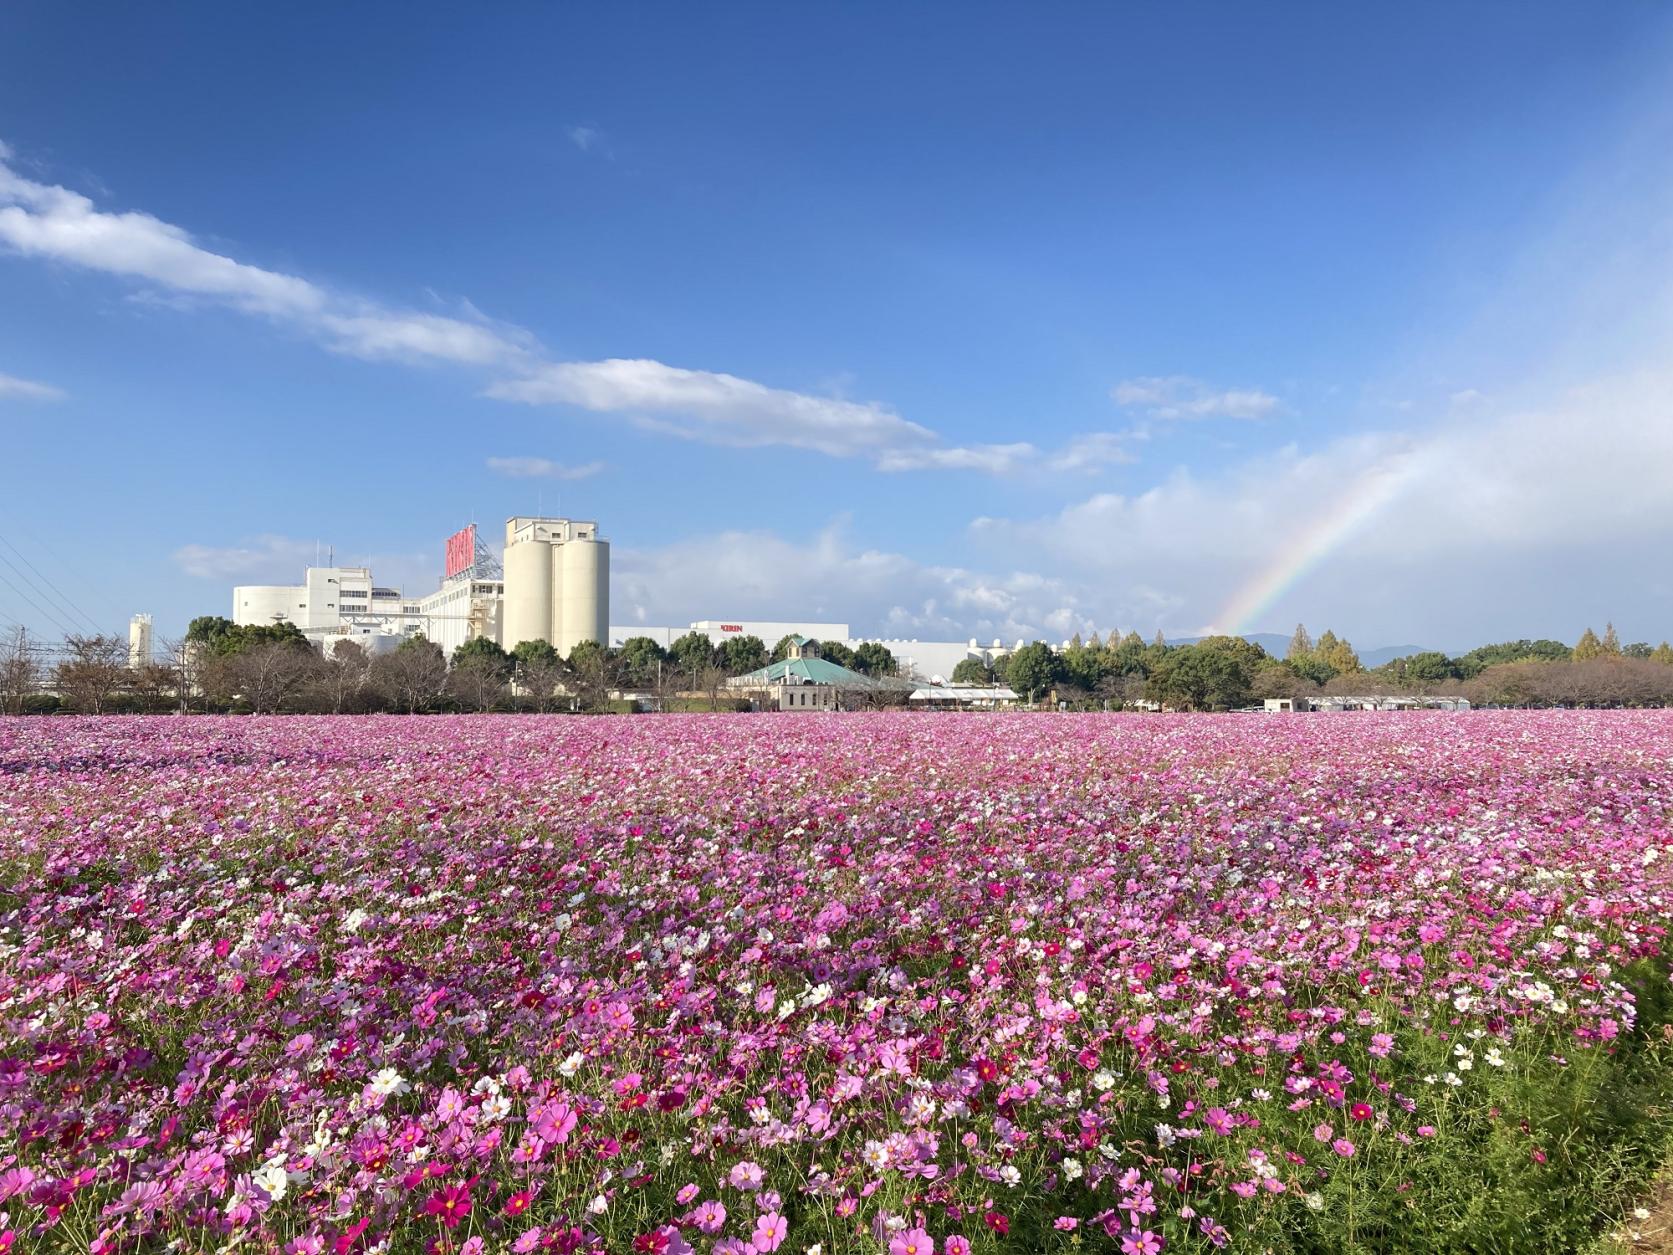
(914, 984)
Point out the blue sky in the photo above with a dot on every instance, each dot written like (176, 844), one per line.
(948, 321)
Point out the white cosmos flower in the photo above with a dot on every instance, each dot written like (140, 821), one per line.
(388, 1081)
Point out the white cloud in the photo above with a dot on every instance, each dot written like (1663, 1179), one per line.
(54, 223)
(29, 390)
(269, 557)
(276, 559)
(1556, 505)
(1180, 396)
(542, 468)
(875, 591)
(719, 408)
(585, 137)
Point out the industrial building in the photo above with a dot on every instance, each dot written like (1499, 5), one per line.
(557, 583)
(554, 586)
(140, 642)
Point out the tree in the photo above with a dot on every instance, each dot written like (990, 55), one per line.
(1279, 679)
(973, 671)
(1638, 649)
(266, 673)
(640, 660)
(20, 671)
(739, 655)
(488, 651)
(477, 680)
(414, 673)
(691, 653)
(786, 643)
(874, 659)
(1032, 670)
(1427, 669)
(1663, 654)
(93, 671)
(1470, 665)
(1301, 644)
(1338, 655)
(711, 678)
(589, 675)
(1587, 647)
(1611, 643)
(342, 676)
(1194, 678)
(839, 653)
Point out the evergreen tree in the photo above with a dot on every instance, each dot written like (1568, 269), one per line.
(1301, 644)
(1663, 653)
(1611, 644)
(1587, 647)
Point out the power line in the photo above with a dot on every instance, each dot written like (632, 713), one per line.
(63, 598)
(26, 597)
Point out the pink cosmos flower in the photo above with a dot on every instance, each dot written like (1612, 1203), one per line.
(452, 1204)
(746, 1176)
(709, 1216)
(1141, 1242)
(912, 1242)
(955, 1244)
(1343, 1147)
(769, 1233)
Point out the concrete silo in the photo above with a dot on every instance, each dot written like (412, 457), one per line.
(527, 564)
(557, 583)
(583, 614)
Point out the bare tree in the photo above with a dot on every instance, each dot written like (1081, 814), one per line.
(342, 678)
(478, 682)
(269, 674)
(93, 672)
(185, 668)
(414, 674)
(711, 679)
(20, 671)
(538, 682)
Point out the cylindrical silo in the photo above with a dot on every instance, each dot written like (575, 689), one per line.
(585, 565)
(528, 593)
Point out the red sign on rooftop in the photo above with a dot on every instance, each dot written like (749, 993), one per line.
(461, 551)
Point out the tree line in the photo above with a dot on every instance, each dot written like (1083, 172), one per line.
(1229, 672)
(222, 666)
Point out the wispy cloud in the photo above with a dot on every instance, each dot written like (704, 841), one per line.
(586, 137)
(276, 557)
(1180, 396)
(542, 468)
(29, 390)
(56, 224)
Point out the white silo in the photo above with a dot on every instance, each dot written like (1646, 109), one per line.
(528, 588)
(139, 641)
(584, 612)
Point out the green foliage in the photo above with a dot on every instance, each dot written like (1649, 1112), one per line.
(837, 652)
(487, 651)
(639, 659)
(1032, 670)
(692, 652)
(1588, 646)
(972, 671)
(1199, 677)
(739, 655)
(222, 638)
(1472, 664)
(871, 658)
(536, 653)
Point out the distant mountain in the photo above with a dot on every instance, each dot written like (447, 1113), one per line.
(1278, 645)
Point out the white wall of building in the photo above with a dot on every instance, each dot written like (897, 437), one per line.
(557, 583)
(139, 641)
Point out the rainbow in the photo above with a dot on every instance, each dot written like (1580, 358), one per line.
(1369, 493)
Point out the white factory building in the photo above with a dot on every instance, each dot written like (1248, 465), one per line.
(555, 587)
(551, 583)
